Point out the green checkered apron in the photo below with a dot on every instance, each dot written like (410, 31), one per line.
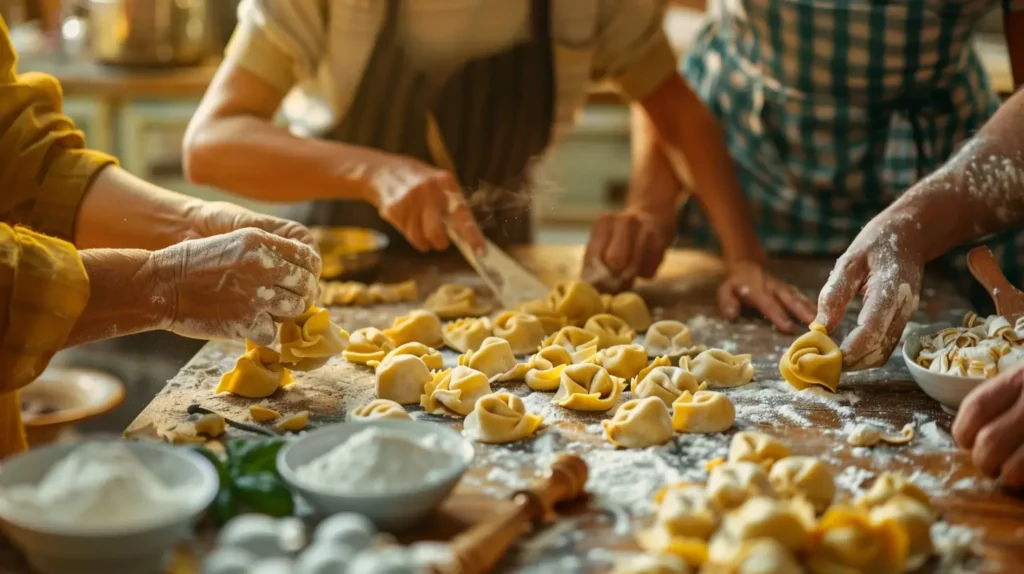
(832, 109)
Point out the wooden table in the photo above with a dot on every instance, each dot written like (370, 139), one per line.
(622, 481)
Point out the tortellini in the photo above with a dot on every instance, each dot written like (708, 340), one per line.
(787, 522)
(393, 292)
(417, 327)
(500, 418)
(803, 477)
(718, 368)
(580, 343)
(629, 307)
(587, 387)
(757, 556)
(545, 368)
(455, 301)
(432, 358)
(257, 374)
(757, 447)
(847, 539)
(494, 359)
(865, 434)
(310, 339)
(916, 520)
(367, 344)
(685, 511)
(523, 332)
(623, 361)
(577, 301)
(890, 485)
(454, 392)
(380, 409)
(550, 319)
(352, 293)
(610, 330)
(668, 338)
(733, 483)
(702, 412)
(466, 334)
(813, 359)
(639, 423)
(402, 378)
(664, 383)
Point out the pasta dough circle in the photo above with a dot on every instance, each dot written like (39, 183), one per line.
(639, 423)
(813, 359)
(380, 409)
(500, 418)
(702, 412)
(587, 387)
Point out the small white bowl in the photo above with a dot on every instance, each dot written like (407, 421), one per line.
(142, 549)
(392, 511)
(948, 390)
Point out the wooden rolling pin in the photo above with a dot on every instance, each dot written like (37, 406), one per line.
(479, 550)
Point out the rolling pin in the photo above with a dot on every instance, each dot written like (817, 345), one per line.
(479, 550)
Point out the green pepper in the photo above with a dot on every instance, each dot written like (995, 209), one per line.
(225, 505)
(246, 457)
(264, 492)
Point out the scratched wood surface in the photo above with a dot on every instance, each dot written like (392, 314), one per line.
(591, 532)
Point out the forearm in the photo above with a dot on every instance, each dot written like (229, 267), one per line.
(692, 139)
(654, 186)
(123, 296)
(978, 193)
(252, 157)
(122, 211)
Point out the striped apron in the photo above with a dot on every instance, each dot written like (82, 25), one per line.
(832, 109)
(495, 115)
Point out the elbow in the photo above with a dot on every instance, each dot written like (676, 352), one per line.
(199, 150)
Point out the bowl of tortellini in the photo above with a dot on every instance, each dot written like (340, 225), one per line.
(349, 252)
(949, 363)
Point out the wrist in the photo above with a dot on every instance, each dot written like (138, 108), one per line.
(159, 276)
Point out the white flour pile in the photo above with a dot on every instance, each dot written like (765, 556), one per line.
(98, 485)
(378, 461)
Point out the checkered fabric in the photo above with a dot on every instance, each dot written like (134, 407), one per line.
(832, 109)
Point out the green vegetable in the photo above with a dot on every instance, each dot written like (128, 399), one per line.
(265, 493)
(249, 480)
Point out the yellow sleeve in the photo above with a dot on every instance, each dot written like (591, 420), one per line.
(44, 168)
(43, 290)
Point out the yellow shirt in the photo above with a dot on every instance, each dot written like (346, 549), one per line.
(44, 174)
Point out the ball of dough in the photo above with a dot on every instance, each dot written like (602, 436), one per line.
(454, 392)
(665, 383)
(418, 326)
(702, 412)
(804, 477)
(733, 483)
(718, 368)
(610, 330)
(587, 387)
(575, 300)
(813, 359)
(757, 447)
(500, 418)
(639, 423)
(629, 307)
(402, 379)
(523, 332)
(380, 409)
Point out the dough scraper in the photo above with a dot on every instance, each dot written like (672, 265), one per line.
(510, 282)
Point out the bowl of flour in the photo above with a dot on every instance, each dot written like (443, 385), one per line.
(100, 507)
(394, 472)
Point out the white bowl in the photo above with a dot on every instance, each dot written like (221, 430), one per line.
(392, 511)
(949, 390)
(62, 549)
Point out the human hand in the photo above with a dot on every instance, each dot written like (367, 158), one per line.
(209, 218)
(886, 268)
(988, 426)
(236, 285)
(627, 244)
(747, 283)
(419, 200)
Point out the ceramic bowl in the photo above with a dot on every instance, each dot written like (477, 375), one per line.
(141, 549)
(350, 253)
(63, 397)
(392, 511)
(949, 390)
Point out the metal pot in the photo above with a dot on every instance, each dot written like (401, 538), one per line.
(149, 32)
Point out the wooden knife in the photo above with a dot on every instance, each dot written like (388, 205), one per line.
(510, 282)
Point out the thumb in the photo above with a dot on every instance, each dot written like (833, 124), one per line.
(844, 282)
